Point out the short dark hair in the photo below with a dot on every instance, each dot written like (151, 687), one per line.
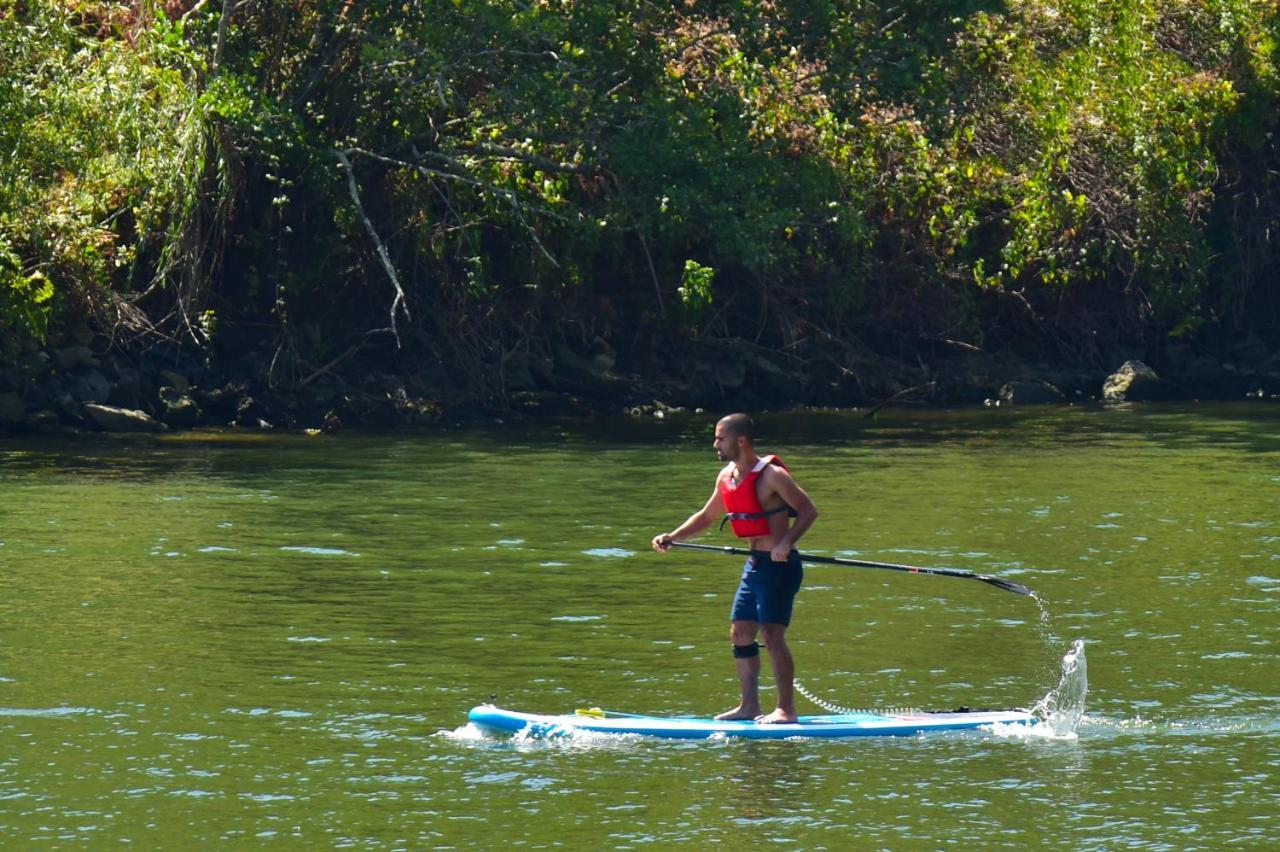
(740, 425)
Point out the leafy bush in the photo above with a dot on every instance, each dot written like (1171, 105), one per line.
(468, 179)
(98, 122)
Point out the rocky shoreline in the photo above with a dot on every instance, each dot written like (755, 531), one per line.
(86, 385)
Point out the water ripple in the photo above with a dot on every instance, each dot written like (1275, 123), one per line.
(319, 551)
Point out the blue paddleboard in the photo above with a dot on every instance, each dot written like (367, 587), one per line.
(496, 719)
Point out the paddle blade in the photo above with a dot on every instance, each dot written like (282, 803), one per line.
(1007, 585)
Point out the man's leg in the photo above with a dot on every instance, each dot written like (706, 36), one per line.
(743, 636)
(784, 672)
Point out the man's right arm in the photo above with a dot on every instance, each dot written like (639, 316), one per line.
(696, 523)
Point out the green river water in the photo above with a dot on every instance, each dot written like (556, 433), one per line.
(243, 640)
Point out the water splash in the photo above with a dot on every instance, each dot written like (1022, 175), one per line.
(1061, 709)
(537, 737)
(1044, 609)
(467, 732)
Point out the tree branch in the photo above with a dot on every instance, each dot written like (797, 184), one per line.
(657, 288)
(517, 207)
(544, 163)
(354, 189)
(193, 11)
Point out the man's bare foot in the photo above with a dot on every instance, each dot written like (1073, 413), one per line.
(777, 717)
(738, 712)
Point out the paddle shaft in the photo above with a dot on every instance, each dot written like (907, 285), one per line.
(1008, 586)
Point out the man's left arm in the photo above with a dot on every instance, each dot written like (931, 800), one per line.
(782, 484)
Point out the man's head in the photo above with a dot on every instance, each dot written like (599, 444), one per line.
(734, 434)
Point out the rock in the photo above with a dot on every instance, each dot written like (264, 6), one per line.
(1032, 392)
(657, 409)
(586, 374)
(73, 356)
(769, 366)
(1133, 382)
(69, 409)
(220, 403)
(36, 363)
(1075, 384)
(44, 420)
(1265, 377)
(731, 374)
(174, 380)
(251, 413)
(90, 386)
(1175, 358)
(408, 409)
(1207, 378)
(959, 390)
(180, 410)
(606, 356)
(546, 403)
(12, 409)
(1119, 353)
(110, 419)
(517, 376)
(127, 392)
(1250, 352)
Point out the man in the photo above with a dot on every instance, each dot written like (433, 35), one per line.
(758, 495)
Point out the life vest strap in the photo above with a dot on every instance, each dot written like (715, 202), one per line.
(752, 516)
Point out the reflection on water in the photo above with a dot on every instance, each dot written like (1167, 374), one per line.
(230, 636)
(768, 781)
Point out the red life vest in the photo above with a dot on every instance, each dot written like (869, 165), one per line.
(742, 500)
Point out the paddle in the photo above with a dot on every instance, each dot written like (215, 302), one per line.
(1007, 585)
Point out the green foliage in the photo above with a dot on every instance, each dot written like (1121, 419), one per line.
(695, 289)
(1060, 147)
(24, 297)
(1120, 164)
(96, 121)
(866, 168)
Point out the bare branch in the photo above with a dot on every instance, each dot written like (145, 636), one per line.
(657, 288)
(193, 11)
(398, 302)
(222, 33)
(517, 206)
(547, 165)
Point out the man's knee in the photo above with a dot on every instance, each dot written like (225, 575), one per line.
(742, 632)
(772, 634)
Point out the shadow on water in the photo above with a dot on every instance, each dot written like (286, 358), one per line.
(1251, 426)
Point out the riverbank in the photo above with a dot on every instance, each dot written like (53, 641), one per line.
(84, 383)
(264, 222)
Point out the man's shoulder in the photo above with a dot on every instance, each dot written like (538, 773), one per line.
(772, 464)
(775, 471)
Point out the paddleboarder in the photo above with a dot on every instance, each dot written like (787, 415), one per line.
(764, 504)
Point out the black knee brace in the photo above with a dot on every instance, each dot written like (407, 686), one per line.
(745, 651)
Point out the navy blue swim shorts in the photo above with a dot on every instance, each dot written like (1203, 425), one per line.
(768, 589)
